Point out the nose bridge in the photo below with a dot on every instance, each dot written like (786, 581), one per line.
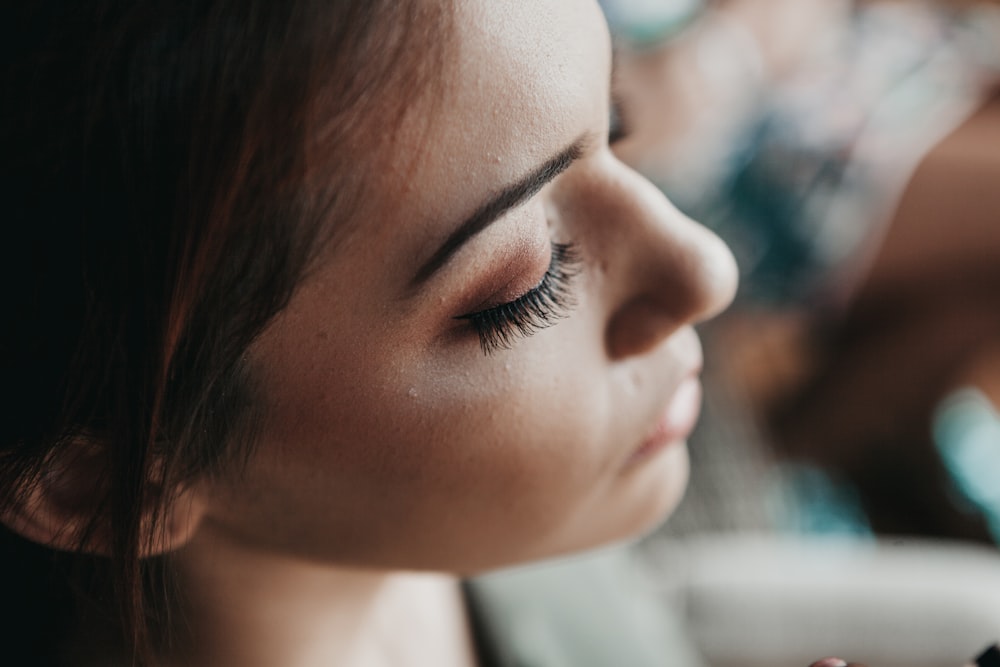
(662, 270)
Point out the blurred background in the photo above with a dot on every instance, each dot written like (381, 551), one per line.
(845, 494)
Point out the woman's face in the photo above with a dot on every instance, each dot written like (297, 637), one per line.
(400, 431)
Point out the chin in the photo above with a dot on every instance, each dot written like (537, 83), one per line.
(636, 504)
(653, 491)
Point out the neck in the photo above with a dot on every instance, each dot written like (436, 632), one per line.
(254, 609)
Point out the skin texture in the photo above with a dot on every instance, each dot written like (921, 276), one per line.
(392, 441)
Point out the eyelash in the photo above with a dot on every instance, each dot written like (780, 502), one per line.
(540, 307)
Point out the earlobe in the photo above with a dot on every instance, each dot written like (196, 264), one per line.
(181, 516)
(64, 508)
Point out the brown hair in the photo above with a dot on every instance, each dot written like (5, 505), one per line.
(166, 169)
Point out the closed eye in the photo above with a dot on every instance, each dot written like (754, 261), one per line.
(538, 308)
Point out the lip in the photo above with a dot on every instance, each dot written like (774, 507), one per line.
(677, 420)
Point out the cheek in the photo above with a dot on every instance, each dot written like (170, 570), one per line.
(451, 460)
(529, 416)
(516, 438)
(462, 432)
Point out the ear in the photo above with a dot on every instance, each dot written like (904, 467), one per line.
(63, 509)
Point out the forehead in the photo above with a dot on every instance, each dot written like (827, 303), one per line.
(520, 80)
(527, 63)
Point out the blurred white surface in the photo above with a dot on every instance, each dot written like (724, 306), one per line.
(756, 601)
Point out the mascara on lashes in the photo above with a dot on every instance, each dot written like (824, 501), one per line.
(538, 308)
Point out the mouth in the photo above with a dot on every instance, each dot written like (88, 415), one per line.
(677, 419)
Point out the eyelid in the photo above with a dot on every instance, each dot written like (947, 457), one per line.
(538, 308)
(507, 199)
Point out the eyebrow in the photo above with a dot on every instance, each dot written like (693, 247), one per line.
(506, 199)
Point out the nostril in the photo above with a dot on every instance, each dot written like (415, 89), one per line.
(670, 293)
(638, 327)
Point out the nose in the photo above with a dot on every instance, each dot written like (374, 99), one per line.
(660, 271)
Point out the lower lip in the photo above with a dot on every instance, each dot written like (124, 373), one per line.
(676, 423)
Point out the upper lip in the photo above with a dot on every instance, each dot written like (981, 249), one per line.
(690, 359)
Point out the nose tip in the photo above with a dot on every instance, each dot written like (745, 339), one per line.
(720, 276)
